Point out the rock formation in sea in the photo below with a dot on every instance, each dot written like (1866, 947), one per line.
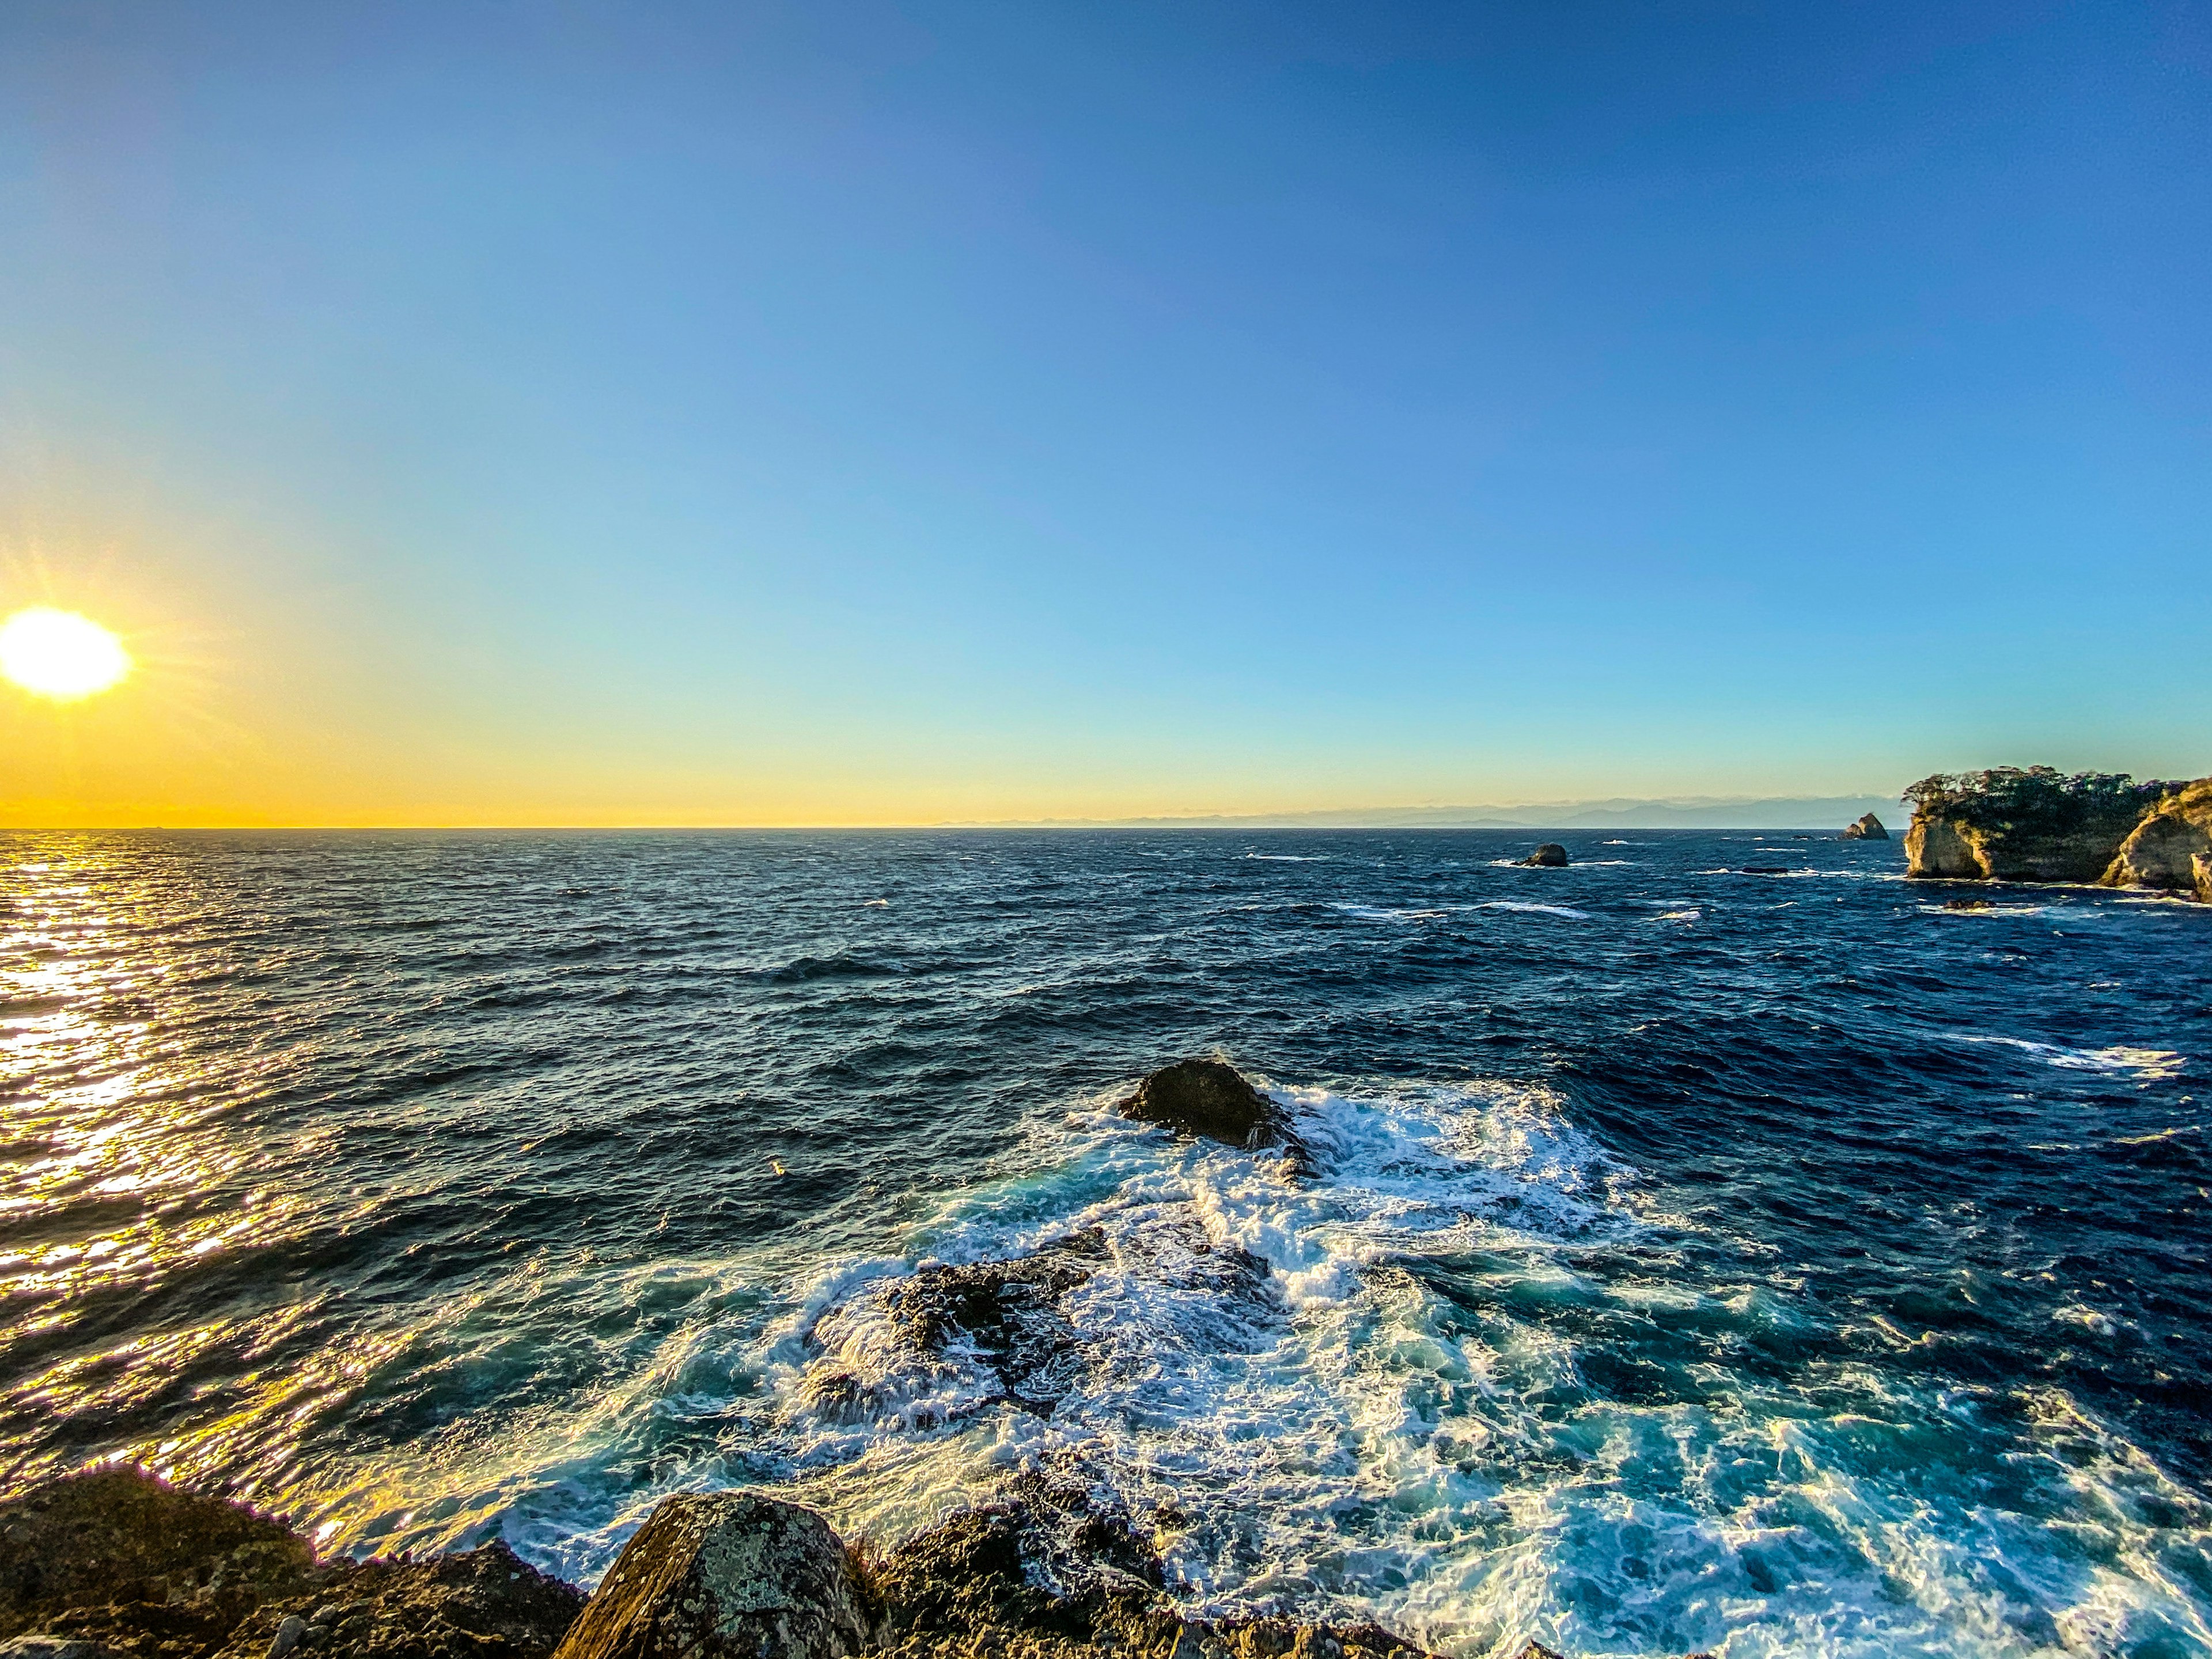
(2200, 865)
(1550, 856)
(1869, 828)
(2012, 824)
(2162, 849)
(1211, 1097)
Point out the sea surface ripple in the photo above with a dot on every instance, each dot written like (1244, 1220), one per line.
(1768, 1263)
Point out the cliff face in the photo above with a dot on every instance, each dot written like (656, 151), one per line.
(2161, 850)
(1944, 850)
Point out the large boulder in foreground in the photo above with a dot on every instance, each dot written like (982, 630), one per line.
(1211, 1097)
(120, 1562)
(1869, 828)
(726, 1576)
(2161, 850)
(1550, 856)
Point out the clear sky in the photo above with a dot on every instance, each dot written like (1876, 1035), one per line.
(560, 412)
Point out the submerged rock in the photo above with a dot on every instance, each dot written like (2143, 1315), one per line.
(1550, 856)
(1869, 828)
(119, 1560)
(726, 1576)
(2162, 849)
(1006, 1314)
(1211, 1097)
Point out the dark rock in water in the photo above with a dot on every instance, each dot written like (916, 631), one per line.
(726, 1576)
(1007, 1314)
(118, 1560)
(1869, 828)
(1968, 904)
(1763, 870)
(1211, 1097)
(1550, 856)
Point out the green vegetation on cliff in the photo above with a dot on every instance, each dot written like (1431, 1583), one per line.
(2036, 801)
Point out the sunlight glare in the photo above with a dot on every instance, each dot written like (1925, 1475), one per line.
(59, 654)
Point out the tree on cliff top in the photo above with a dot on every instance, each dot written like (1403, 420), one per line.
(2037, 800)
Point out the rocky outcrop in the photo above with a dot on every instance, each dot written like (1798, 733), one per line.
(2200, 865)
(2012, 824)
(1944, 850)
(1550, 856)
(1211, 1097)
(122, 1561)
(118, 1564)
(726, 1576)
(2161, 850)
(1869, 828)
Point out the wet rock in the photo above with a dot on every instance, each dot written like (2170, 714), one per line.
(1211, 1097)
(1007, 1314)
(1869, 828)
(1968, 904)
(726, 1576)
(1550, 856)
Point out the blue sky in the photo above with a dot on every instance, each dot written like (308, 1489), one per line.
(667, 413)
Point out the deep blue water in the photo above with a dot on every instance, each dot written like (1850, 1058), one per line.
(1765, 1263)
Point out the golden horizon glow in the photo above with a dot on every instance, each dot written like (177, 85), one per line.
(59, 654)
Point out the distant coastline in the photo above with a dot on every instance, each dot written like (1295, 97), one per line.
(1828, 813)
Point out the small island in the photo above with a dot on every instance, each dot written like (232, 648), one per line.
(2038, 824)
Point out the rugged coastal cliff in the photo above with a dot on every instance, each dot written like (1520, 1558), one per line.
(2037, 824)
(2163, 849)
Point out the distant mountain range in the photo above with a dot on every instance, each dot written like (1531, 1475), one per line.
(1830, 812)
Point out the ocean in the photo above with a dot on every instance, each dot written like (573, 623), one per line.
(1717, 1244)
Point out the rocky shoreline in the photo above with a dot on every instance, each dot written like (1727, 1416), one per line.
(117, 1563)
(114, 1563)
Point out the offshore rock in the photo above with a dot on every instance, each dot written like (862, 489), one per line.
(1011, 1318)
(2161, 850)
(2201, 867)
(1006, 1314)
(726, 1576)
(1211, 1097)
(1550, 856)
(1869, 828)
(118, 1560)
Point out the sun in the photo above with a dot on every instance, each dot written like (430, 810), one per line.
(59, 654)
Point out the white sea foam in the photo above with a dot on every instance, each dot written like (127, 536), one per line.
(2146, 1063)
(1570, 914)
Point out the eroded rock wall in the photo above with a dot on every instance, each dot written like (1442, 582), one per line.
(2163, 850)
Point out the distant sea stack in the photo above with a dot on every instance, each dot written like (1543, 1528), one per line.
(2037, 824)
(1550, 856)
(1869, 828)
(2163, 850)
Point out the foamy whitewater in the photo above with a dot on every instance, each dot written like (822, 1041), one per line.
(1759, 1263)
